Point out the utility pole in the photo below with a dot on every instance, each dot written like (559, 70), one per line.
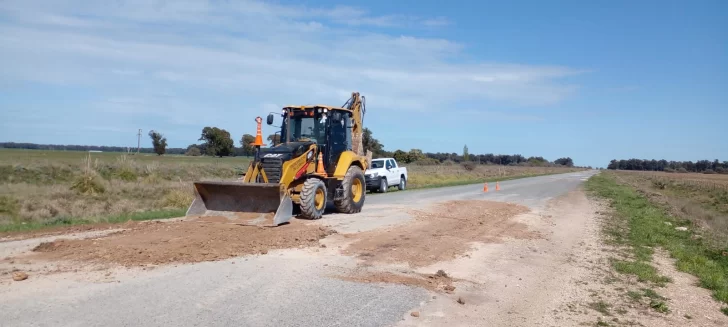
(139, 140)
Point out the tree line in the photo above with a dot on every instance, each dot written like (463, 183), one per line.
(219, 142)
(417, 156)
(700, 166)
(104, 148)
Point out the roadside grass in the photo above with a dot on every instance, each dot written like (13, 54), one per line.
(641, 226)
(41, 188)
(643, 270)
(700, 198)
(71, 221)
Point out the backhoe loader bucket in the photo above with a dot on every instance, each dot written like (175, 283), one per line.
(228, 198)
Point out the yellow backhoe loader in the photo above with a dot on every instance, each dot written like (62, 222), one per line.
(320, 157)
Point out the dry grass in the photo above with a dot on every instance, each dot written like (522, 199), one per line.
(52, 187)
(178, 198)
(704, 182)
(701, 199)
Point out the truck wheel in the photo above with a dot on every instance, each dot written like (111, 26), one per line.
(313, 198)
(383, 186)
(402, 184)
(354, 191)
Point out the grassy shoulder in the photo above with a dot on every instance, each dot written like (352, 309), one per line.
(71, 221)
(641, 226)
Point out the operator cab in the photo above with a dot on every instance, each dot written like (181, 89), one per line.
(328, 127)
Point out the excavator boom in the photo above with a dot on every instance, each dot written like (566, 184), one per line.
(357, 105)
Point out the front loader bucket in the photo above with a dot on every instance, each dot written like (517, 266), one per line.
(228, 198)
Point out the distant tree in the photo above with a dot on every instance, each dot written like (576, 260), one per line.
(245, 141)
(669, 166)
(372, 144)
(274, 139)
(159, 142)
(200, 147)
(217, 141)
(193, 150)
(466, 154)
(537, 161)
(400, 156)
(415, 155)
(564, 162)
(614, 164)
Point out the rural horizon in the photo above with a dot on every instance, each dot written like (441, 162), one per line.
(690, 165)
(214, 163)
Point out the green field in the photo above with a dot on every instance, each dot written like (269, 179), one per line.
(48, 188)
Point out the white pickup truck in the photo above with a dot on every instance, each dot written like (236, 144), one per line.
(383, 173)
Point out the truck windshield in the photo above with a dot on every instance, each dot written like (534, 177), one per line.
(303, 128)
(378, 164)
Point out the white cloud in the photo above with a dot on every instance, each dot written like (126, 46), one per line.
(489, 115)
(436, 22)
(262, 54)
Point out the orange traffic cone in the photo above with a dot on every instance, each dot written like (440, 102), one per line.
(259, 133)
(497, 187)
(320, 167)
(485, 187)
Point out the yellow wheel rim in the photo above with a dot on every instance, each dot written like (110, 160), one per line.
(319, 199)
(356, 189)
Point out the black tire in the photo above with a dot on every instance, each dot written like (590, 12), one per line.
(402, 184)
(383, 185)
(348, 203)
(310, 209)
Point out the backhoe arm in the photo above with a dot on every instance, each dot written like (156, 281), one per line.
(357, 104)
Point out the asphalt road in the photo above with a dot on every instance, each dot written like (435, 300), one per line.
(286, 288)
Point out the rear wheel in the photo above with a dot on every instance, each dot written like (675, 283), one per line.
(354, 191)
(313, 198)
(402, 184)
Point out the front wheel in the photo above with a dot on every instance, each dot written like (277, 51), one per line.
(383, 185)
(354, 187)
(313, 198)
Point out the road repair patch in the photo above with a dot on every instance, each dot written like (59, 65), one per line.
(205, 239)
(441, 232)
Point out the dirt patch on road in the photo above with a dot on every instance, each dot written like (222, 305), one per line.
(438, 282)
(441, 233)
(155, 243)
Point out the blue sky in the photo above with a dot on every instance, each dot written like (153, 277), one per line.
(591, 80)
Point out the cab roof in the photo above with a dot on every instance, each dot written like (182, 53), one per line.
(316, 106)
